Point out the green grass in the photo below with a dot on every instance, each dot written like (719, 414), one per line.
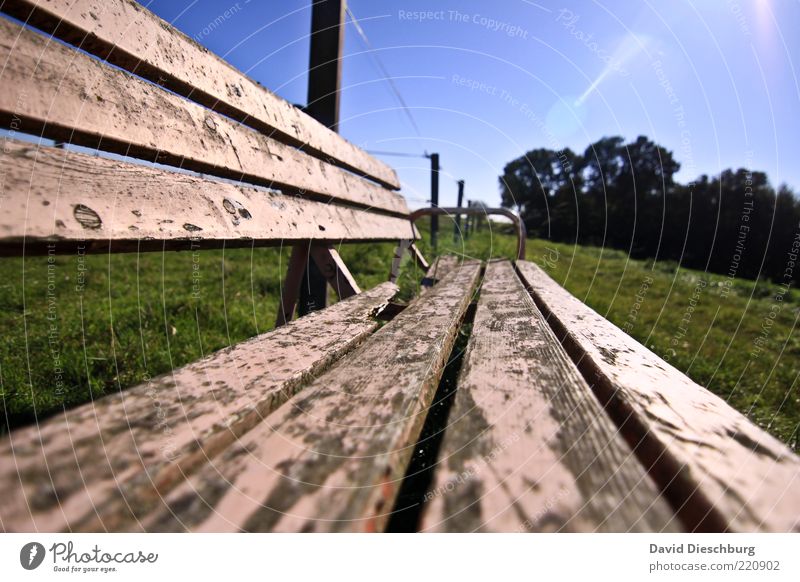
(77, 328)
(141, 315)
(137, 316)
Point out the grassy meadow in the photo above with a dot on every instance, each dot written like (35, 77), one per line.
(78, 327)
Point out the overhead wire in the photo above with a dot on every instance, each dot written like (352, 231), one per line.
(392, 85)
(382, 68)
(396, 154)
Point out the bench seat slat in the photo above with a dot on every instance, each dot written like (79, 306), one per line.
(442, 265)
(131, 37)
(130, 448)
(56, 195)
(721, 470)
(332, 459)
(527, 446)
(59, 93)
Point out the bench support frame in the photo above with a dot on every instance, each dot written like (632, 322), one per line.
(330, 265)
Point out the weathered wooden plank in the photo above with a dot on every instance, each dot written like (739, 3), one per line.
(527, 446)
(104, 464)
(443, 265)
(717, 468)
(440, 268)
(55, 195)
(332, 459)
(53, 90)
(133, 38)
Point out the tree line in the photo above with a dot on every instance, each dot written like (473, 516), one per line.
(624, 196)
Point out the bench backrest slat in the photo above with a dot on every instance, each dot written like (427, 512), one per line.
(59, 93)
(103, 204)
(133, 38)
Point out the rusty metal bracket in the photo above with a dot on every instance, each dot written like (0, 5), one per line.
(520, 226)
(406, 245)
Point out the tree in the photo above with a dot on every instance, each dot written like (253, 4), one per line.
(625, 196)
(530, 182)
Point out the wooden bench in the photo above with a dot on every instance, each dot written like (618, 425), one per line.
(550, 419)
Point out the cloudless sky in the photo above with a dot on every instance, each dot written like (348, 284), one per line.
(714, 81)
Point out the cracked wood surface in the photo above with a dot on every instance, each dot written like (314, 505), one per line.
(442, 265)
(56, 195)
(103, 465)
(332, 458)
(527, 446)
(131, 37)
(59, 93)
(720, 470)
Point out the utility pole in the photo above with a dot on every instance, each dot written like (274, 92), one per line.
(324, 81)
(434, 199)
(325, 61)
(457, 227)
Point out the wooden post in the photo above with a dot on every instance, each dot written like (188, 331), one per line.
(324, 79)
(325, 61)
(457, 227)
(434, 199)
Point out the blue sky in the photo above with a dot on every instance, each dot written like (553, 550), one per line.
(712, 80)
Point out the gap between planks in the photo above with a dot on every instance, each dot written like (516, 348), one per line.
(527, 446)
(56, 92)
(332, 458)
(104, 465)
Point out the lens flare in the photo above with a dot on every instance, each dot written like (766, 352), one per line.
(625, 53)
